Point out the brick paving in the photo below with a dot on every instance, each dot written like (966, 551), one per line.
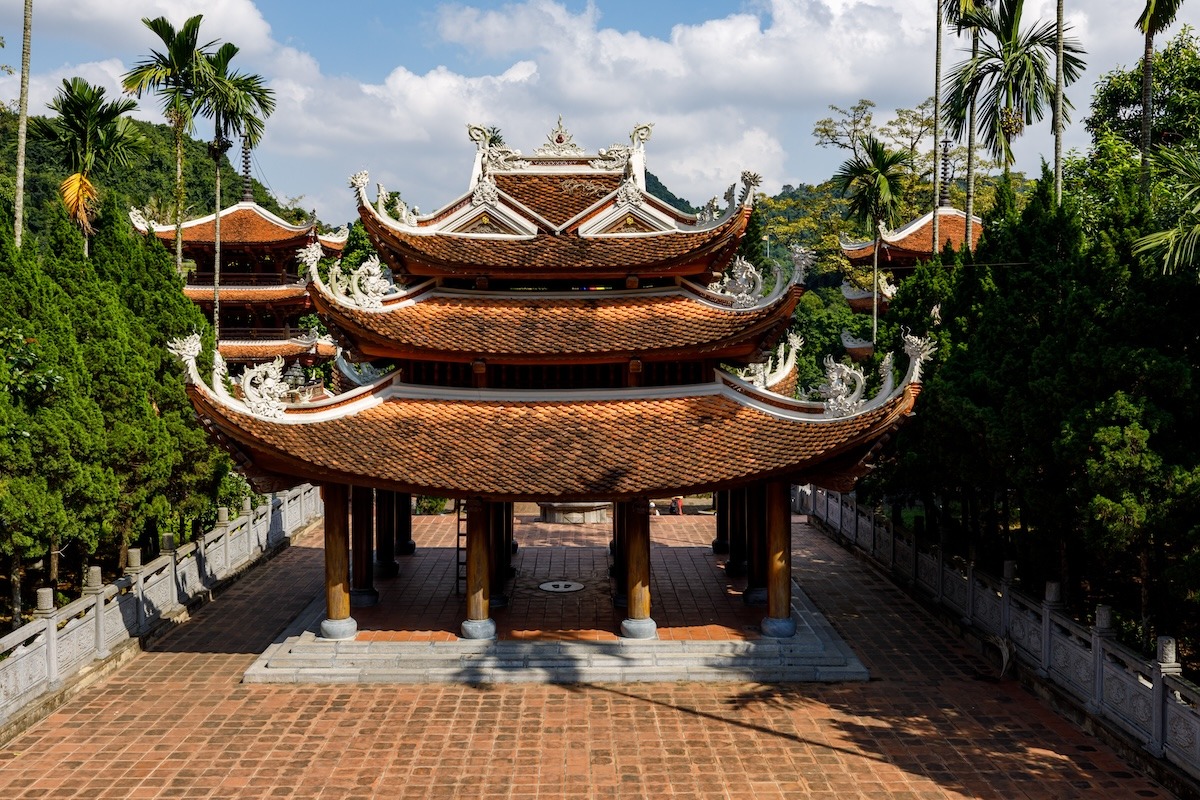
(932, 723)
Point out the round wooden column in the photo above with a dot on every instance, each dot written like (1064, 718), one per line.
(720, 545)
(619, 572)
(338, 624)
(362, 534)
(478, 624)
(385, 535)
(735, 566)
(405, 546)
(638, 624)
(779, 623)
(756, 545)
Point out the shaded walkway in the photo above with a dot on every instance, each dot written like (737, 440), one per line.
(176, 722)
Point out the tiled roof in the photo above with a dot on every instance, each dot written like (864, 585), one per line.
(243, 223)
(526, 325)
(915, 240)
(248, 294)
(550, 256)
(558, 198)
(587, 448)
(261, 351)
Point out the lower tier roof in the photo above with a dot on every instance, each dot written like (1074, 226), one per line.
(587, 445)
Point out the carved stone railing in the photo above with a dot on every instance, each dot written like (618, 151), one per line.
(38, 658)
(1148, 701)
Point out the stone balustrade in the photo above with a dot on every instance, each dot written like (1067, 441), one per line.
(1147, 700)
(59, 643)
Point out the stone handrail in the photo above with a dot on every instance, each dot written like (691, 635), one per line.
(1148, 700)
(38, 658)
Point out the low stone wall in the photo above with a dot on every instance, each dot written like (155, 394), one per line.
(1147, 701)
(37, 659)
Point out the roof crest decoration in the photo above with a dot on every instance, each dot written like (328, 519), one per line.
(264, 389)
(628, 193)
(750, 182)
(494, 157)
(742, 282)
(559, 142)
(763, 375)
(617, 156)
(919, 349)
(486, 192)
(843, 388)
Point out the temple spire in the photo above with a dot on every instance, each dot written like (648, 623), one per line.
(247, 191)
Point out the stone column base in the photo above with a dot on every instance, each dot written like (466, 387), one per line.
(639, 628)
(339, 629)
(406, 548)
(776, 628)
(386, 569)
(363, 598)
(720, 547)
(479, 629)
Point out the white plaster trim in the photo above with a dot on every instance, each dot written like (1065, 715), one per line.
(244, 205)
(891, 237)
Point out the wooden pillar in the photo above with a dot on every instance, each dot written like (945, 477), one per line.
(510, 543)
(478, 624)
(735, 567)
(385, 535)
(362, 532)
(778, 622)
(620, 520)
(638, 624)
(338, 623)
(756, 545)
(405, 546)
(720, 545)
(498, 556)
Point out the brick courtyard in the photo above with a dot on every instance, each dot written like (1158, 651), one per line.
(933, 722)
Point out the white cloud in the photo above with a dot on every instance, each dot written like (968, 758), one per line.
(737, 92)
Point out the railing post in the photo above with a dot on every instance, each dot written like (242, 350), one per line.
(1166, 663)
(969, 612)
(1006, 584)
(134, 569)
(46, 612)
(1100, 631)
(95, 587)
(1050, 603)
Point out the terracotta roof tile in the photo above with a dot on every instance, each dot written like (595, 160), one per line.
(558, 198)
(586, 449)
(239, 224)
(551, 256)
(261, 351)
(528, 326)
(248, 294)
(915, 241)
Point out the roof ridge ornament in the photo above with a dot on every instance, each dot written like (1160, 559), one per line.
(494, 157)
(559, 142)
(843, 388)
(628, 193)
(742, 282)
(264, 388)
(802, 259)
(919, 349)
(486, 192)
(750, 182)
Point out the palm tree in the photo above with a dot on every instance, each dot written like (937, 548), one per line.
(957, 14)
(937, 129)
(1177, 246)
(1059, 44)
(1156, 16)
(22, 124)
(176, 75)
(234, 101)
(1010, 75)
(89, 133)
(874, 181)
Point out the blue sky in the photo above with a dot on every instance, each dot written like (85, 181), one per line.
(390, 87)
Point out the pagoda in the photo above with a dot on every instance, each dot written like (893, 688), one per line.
(900, 250)
(557, 333)
(262, 293)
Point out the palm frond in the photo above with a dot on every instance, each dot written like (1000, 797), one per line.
(79, 196)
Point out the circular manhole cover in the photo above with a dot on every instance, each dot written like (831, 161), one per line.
(561, 587)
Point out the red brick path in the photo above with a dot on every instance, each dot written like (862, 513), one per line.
(932, 723)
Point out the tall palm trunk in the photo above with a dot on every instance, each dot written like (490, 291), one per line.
(217, 250)
(178, 125)
(937, 109)
(970, 241)
(1058, 104)
(1147, 109)
(875, 283)
(22, 125)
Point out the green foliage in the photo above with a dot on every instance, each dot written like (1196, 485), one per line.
(655, 187)
(1117, 103)
(430, 505)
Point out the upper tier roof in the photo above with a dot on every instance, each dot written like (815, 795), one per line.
(560, 212)
(535, 327)
(244, 223)
(914, 241)
(582, 445)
